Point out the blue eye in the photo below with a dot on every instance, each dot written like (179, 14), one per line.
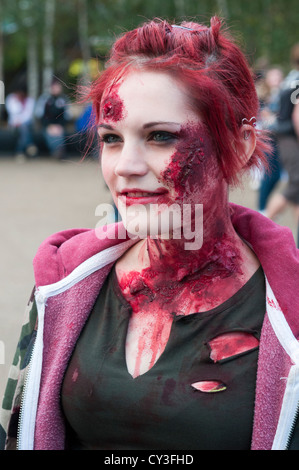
(110, 138)
(163, 136)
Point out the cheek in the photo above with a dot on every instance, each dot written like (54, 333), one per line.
(107, 171)
(192, 168)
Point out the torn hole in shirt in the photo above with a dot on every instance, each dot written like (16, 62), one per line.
(231, 344)
(209, 386)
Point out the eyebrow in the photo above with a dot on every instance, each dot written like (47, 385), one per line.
(106, 126)
(145, 126)
(157, 123)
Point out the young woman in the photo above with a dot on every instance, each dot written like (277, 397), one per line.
(138, 336)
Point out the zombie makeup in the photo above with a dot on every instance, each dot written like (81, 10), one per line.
(112, 105)
(192, 165)
(194, 179)
(178, 281)
(113, 108)
(194, 176)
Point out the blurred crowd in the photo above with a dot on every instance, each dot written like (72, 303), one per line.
(52, 117)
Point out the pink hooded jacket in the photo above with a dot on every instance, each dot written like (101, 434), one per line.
(70, 268)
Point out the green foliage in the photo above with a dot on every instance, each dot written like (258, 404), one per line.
(268, 28)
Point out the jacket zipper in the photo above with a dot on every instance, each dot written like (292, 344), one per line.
(35, 361)
(292, 428)
(20, 423)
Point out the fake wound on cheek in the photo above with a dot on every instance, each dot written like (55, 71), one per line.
(190, 158)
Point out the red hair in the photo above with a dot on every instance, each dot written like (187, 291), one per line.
(214, 72)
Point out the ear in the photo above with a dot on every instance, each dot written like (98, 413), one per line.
(248, 140)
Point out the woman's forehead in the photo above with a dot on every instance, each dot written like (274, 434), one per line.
(152, 95)
(146, 81)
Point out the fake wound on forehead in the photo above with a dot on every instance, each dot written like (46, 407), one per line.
(113, 107)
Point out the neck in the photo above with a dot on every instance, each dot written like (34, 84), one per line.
(219, 256)
(163, 269)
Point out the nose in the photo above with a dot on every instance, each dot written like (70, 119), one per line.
(131, 161)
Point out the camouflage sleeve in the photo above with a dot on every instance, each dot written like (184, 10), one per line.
(11, 404)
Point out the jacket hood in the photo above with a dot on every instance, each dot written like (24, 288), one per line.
(66, 250)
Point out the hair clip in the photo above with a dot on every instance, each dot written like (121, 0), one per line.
(251, 122)
(181, 27)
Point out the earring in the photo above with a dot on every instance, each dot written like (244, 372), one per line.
(251, 122)
(246, 135)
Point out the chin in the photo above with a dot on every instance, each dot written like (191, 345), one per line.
(144, 221)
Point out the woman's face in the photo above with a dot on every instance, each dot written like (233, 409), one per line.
(155, 151)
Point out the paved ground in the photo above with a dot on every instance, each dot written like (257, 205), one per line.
(39, 198)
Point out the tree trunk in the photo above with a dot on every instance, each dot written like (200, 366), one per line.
(179, 8)
(2, 91)
(48, 49)
(32, 64)
(223, 9)
(1, 48)
(83, 35)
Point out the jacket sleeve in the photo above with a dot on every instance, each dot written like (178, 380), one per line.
(11, 404)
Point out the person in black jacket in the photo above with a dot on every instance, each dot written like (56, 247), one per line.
(52, 111)
(286, 129)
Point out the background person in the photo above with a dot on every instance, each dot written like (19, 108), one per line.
(269, 109)
(286, 129)
(52, 109)
(20, 109)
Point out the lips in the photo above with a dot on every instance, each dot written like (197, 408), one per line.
(141, 196)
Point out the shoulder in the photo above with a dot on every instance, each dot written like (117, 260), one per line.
(62, 252)
(250, 224)
(275, 247)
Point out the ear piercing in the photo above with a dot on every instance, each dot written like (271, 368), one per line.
(251, 122)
